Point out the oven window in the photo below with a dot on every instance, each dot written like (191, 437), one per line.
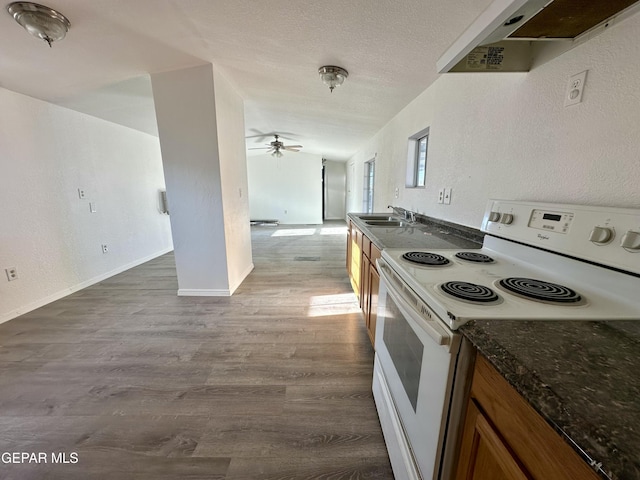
(405, 349)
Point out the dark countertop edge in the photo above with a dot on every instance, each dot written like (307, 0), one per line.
(462, 231)
(532, 389)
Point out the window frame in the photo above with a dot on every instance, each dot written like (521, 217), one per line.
(413, 177)
(368, 185)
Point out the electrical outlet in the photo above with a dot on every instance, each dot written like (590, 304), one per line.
(12, 273)
(81, 193)
(447, 196)
(441, 195)
(105, 249)
(575, 88)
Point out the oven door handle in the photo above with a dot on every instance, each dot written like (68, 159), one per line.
(435, 331)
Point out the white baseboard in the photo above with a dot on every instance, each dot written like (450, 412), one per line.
(204, 292)
(215, 292)
(68, 291)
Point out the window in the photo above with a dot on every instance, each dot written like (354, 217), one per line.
(417, 159)
(369, 171)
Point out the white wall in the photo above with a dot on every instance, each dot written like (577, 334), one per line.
(509, 135)
(288, 189)
(46, 231)
(233, 173)
(335, 176)
(201, 126)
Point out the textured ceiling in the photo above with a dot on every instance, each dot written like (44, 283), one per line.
(269, 49)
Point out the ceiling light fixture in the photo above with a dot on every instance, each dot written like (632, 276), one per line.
(332, 76)
(40, 21)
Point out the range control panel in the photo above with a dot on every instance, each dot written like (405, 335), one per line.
(551, 221)
(606, 235)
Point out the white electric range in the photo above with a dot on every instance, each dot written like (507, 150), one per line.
(538, 261)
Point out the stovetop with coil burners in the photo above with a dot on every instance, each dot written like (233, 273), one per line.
(508, 279)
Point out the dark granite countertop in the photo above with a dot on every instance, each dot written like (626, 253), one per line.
(427, 232)
(583, 377)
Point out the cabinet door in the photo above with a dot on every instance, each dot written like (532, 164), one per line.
(503, 434)
(349, 250)
(365, 265)
(355, 272)
(374, 286)
(484, 455)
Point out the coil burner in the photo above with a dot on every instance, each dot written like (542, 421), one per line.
(426, 258)
(474, 257)
(470, 292)
(540, 290)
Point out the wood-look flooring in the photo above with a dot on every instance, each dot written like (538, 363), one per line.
(271, 383)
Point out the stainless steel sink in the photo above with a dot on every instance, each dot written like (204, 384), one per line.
(386, 223)
(378, 218)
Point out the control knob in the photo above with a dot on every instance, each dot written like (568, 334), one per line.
(631, 241)
(494, 216)
(601, 235)
(507, 218)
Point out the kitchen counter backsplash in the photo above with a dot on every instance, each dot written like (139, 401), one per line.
(583, 377)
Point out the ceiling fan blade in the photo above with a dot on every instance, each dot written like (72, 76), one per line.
(260, 135)
(259, 148)
(292, 147)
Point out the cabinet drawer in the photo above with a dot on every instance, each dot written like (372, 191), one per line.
(374, 255)
(366, 246)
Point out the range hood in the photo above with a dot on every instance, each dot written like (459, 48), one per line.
(515, 35)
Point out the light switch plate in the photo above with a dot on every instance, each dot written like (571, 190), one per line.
(447, 196)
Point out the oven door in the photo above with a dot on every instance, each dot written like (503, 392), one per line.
(415, 364)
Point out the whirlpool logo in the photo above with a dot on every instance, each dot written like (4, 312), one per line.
(543, 237)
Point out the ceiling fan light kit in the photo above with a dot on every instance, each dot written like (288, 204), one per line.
(40, 21)
(332, 76)
(276, 147)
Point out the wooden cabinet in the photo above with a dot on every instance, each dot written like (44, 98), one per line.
(363, 273)
(371, 314)
(354, 254)
(505, 438)
(487, 457)
(370, 309)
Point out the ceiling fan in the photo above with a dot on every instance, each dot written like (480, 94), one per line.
(277, 147)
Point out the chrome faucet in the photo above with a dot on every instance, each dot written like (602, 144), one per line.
(403, 212)
(398, 210)
(409, 215)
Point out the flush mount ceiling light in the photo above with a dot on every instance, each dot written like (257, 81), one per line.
(40, 21)
(332, 76)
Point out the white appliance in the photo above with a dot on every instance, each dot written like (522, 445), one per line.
(538, 261)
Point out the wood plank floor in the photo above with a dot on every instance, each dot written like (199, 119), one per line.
(271, 383)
